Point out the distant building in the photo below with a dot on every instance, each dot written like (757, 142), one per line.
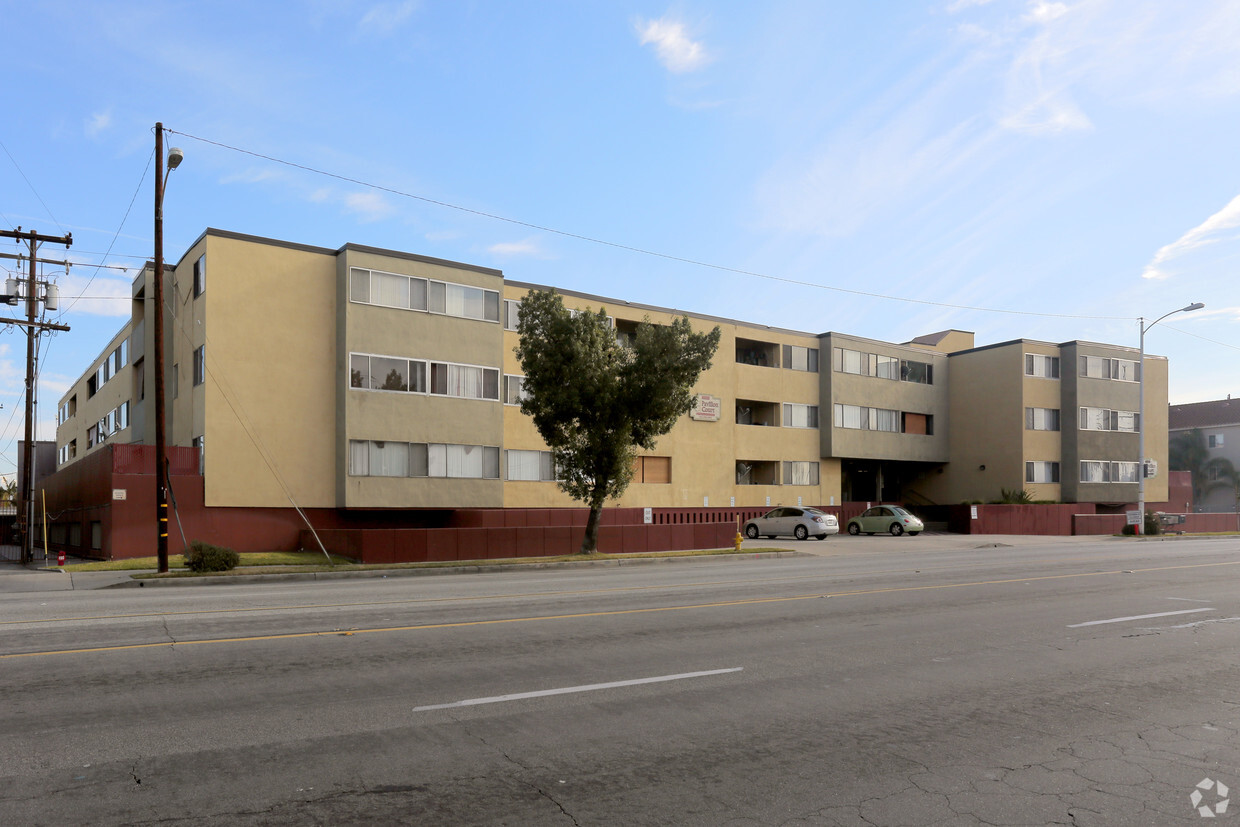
(357, 382)
(1219, 423)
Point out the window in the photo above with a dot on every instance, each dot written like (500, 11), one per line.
(92, 435)
(1104, 419)
(850, 361)
(512, 314)
(800, 473)
(867, 419)
(1107, 471)
(801, 358)
(92, 386)
(514, 389)
(72, 449)
(373, 458)
(920, 372)
(652, 470)
(535, 466)
(1041, 419)
(200, 275)
(462, 301)
(1046, 367)
(1100, 367)
(1044, 472)
(465, 381)
(917, 423)
(800, 416)
(200, 365)
(886, 367)
(1215, 440)
(199, 442)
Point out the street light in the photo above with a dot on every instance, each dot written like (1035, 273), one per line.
(175, 156)
(1140, 527)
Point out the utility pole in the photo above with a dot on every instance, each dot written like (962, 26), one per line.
(161, 445)
(33, 328)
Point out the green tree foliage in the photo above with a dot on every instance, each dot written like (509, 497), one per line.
(595, 401)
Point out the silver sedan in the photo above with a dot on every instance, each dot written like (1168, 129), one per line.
(796, 522)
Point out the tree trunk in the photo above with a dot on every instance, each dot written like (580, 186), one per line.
(589, 543)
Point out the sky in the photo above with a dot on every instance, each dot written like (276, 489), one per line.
(1014, 168)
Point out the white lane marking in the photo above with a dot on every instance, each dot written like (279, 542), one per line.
(1190, 625)
(1138, 617)
(1188, 599)
(570, 689)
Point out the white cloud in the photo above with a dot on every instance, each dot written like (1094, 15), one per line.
(385, 18)
(102, 295)
(528, 247)
(1041, 11)
(98, 122)
(369, 206)
(1211, 231)
(676, 51)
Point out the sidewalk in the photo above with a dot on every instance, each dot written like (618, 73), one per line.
(34, 578)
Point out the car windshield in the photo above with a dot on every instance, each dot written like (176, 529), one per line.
(813, 512)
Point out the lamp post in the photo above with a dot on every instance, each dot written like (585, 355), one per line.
(1140, 529)
(161, 461)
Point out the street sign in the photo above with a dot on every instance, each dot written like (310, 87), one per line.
(1134, 517)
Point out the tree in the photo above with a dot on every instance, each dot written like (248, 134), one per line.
(595, 401)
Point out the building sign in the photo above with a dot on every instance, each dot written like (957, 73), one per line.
(1134, 517)
(119, 493)
(706, 408)
(647, 515)
(1151, 468)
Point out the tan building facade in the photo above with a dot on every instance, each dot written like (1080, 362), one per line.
(361, 379)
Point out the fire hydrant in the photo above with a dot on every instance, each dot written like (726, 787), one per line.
(738, 541)
(60, 558)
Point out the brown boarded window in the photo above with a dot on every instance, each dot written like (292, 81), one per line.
(653, 470)
(914, 423)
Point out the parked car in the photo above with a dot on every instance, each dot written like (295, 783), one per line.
(796, 522)
(890, 518)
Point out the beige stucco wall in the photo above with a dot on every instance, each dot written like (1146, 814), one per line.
(269, 330)
(412, 417)
(704, 453)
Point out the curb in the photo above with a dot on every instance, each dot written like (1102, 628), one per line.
(483, 568)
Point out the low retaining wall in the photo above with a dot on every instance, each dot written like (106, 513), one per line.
(419, 545)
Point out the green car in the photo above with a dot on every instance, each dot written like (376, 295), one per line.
(890, 518)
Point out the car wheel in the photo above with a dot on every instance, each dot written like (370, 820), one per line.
(800, 533)
(896, 529)
(854, 529)
(751, 531)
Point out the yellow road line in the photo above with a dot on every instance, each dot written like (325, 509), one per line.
(611, 613)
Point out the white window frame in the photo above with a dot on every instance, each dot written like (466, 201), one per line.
(1041, 419)
(796, 410)
(1042, 472)
(1042, 366)
(799, 472)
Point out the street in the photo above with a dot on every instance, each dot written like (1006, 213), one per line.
(868, 681)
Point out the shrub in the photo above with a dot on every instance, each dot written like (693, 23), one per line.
(1017, 496)
(202, 556)
(1152, 525)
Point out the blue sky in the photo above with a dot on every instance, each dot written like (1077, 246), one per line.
(1047, 159)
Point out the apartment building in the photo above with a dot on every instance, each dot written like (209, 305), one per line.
(365, 380)
(1219, 423)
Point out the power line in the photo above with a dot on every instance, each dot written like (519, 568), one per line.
(32, 189)
(115, 236)
(1202, 338)
(630, 248)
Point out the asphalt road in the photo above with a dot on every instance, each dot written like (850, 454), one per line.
(878, 682)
